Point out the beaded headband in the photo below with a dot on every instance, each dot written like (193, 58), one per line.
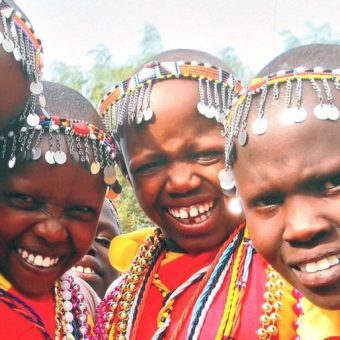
(293, 113)
(18, 38)
(83, 140)
(131, 98)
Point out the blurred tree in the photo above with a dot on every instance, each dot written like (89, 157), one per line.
(315, 34)
(242, 72)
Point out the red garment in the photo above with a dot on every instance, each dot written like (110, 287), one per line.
(14, 326)
(174, 273)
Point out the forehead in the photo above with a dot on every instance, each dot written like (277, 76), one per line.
(174, 103)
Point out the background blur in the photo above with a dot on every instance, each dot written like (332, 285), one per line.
(92, 44)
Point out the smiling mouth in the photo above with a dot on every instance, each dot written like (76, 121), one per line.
(37, 260)
(320, 265)
(194, 214)
(83, 270)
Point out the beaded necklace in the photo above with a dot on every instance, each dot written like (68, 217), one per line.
(71, 315)
(123, 306)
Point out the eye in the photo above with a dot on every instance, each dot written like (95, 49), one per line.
(148, 168)
(83, 213)
(331, 186)
(207, 157)
(267, 203)
(104, 241)
(22, 201)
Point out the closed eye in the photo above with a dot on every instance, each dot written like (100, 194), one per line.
(149, 167)
(83, 213)
(207, 157)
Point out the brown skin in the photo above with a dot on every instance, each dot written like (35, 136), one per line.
(40, 216)
(173, 162)
(291, 199)
(97, 258)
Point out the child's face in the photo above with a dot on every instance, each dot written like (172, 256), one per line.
(173, 164)
(289, 180)
(95, 267)
(48, 220)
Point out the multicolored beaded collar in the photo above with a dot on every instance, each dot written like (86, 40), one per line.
(85, 143)
(293, 112)
(131, 98)
(18, 38)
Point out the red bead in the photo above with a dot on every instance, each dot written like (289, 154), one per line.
(81, 128)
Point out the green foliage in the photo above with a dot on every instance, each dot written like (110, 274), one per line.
(315, 34)
(243, 73)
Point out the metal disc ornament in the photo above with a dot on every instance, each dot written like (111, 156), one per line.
(95, 167)
(49, 157)
(300, 115)
(227, 181)
(148, 113)
(333, 113)
(36, 87)
(210, 112)
(286, 116)
(1, 37)
(33, 119)
(139, 117)
(8, 45)
(242, 138)
(260, 126)
(36, 153)
(17, 54)
(321, 112)
(11, 162)
(60, 157)
(201, 108)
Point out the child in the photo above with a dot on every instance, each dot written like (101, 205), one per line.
(196, 276)
(51, 192)
(282, 150)
(20, 66)
(95, 266)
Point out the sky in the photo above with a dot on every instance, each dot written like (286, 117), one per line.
(70, 28)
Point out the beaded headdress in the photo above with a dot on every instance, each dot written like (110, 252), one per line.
(18, 38)
(131, 98)
(293, 82)
(85, 142)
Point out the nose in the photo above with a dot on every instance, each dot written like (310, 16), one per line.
(304, 220)
(182, 178)
(51, 229)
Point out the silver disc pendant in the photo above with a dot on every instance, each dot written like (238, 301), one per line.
(286, 116)
(260, 126)
(8, 45)
(49, 157)
(320, 112)
(33, 119)
(60, 157)
(17, 54)
(139, 117)
(95, 167)
(109, 175)
(11, 162)
(1, 37)
(36, 153)
(148, 113)
(300, 115)
(227, 181)
(242, 138)
(201, 108)
(210, 112)
(333, 113)
(36, 87)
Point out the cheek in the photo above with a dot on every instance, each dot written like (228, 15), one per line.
(82, 237)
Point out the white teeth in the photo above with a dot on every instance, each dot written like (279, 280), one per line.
(198, 220)
(38, 260)
(193, 212)
(323, 264)
(81, 269)
(183, 214)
